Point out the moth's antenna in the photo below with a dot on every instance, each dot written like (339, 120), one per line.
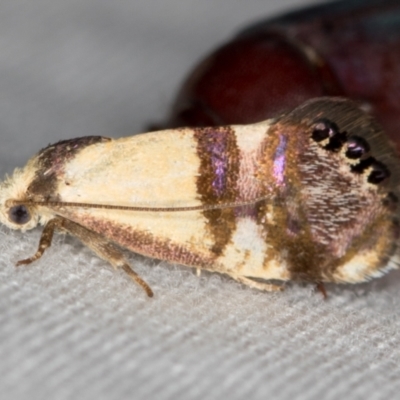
(206, 207)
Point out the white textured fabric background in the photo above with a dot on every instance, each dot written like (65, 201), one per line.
(70, 327)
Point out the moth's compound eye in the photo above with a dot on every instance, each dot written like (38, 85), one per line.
(356, 147)
(324, 129)
(379, 173)
(19, 215)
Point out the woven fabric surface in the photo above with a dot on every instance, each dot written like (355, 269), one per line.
(70, 326)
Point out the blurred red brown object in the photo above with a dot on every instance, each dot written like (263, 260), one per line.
(346, 48)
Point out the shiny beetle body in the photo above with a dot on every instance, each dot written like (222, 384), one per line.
(346, 48)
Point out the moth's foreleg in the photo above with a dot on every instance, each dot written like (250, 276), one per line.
(268, 287)
(45, 241)
(106, 250)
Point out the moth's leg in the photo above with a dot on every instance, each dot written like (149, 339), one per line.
(198, 272)
(104, 249)
(268, 287)
(45, 241)
(320, 287)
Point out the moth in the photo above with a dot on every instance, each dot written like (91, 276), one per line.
(311, 195)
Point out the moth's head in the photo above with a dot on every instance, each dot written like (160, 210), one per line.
(14, 188)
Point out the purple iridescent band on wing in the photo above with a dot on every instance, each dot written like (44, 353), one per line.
(217, 148)
(280, 161)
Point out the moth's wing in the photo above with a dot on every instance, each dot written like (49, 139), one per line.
(351, 117)
(157, 170)
(352, 218)
(184, 167)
